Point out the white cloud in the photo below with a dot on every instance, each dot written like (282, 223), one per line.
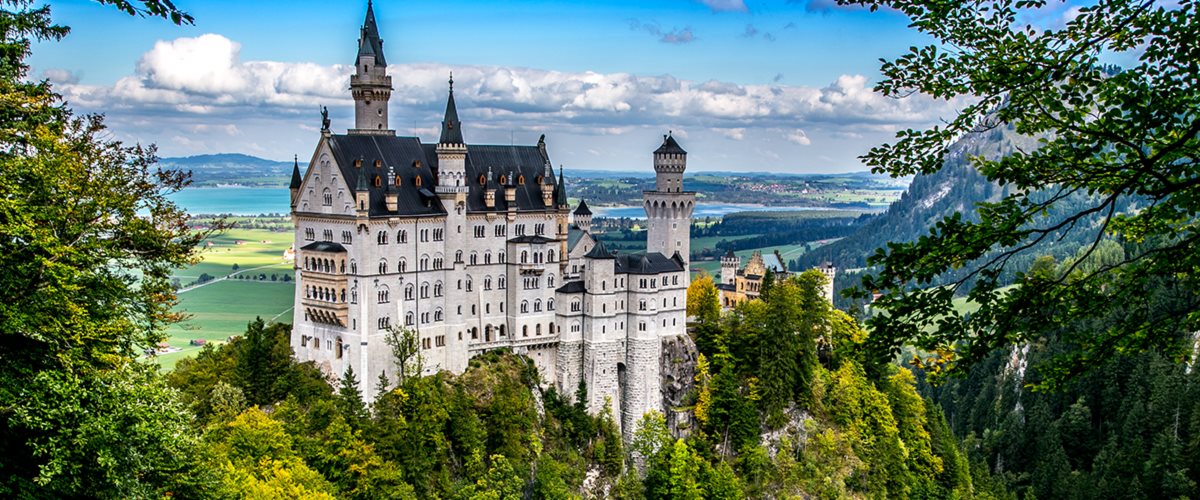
(799, 137)
(736, 134)
(59, 75)
(201, 86)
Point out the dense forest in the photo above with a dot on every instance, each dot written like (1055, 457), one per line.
(772, 414)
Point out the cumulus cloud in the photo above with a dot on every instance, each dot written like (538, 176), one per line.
(725, 5)
(59, 75)
(201, 86)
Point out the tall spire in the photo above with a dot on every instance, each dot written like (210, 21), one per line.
(451, 127)
(296, 181)
(369, 44)
(560, 192)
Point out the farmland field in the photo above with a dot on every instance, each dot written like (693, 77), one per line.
(223, 307)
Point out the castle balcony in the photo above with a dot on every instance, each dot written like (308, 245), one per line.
(327, 313)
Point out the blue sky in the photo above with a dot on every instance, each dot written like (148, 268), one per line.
(770, 85)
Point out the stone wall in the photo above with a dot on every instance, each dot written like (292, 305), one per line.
(678, 363)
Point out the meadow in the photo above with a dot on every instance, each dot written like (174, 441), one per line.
(221, 308)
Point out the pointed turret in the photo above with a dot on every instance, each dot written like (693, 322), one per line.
(451, 127)
(452, 154)
(361, 196)
(370, 85)
(599, 252)
(296, 180)
(369, 44)
(560, 192)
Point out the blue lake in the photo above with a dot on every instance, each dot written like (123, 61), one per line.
(259, 200)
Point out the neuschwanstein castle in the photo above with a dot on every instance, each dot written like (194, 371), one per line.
(474, 248)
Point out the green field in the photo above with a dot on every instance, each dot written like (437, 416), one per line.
(222, 308)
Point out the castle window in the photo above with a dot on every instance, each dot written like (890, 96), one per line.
(503, 282)
(358, 163)
(474, 258)
(482, 180)
(458, 257)
(437, 290)
(480, 231)
(437, 262)
(327, 234)
(409, 291)
(503, 179)
(521, 180)
(425, 290)
(383, 267)
(396, 181)
(487, 257)
(437, 314)
(310, 234)
(403, 265)
(524, 306)
(537, 305)
(487, 282)
(402, 236)
(550, 281)
(347, 237)
(537, 329)
(378, 163)
(382, 295)
(550, 306)
(550, 256)
(409, 318)
(525, 330)
(524, 256)
(417, 181)
(378, 181)
(416, 163)
(328, 197)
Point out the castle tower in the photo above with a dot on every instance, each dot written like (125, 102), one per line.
(583, 217)
(669, 208)
(369, 85)
(830, 272)
(729, 267)
(452, 152)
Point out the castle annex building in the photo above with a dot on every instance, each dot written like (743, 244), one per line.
(473, 248)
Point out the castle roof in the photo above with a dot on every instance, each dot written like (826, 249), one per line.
(413, 160)
(324, 246)
(532, 239)
(669, 146)
(771, 261)
(451, 126)
(576, 286)
(296, 181)
(370, 44)
(574, 236)
(599, 252)
(583, 209)
(647, 263)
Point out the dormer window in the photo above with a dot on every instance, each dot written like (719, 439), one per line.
(416, 163)
(378, 163)
(539, 179)
(358, 163)
(482, 180)
(397, 181)
(417, 181)
(521, 180)
(378, 181)
(503, 179)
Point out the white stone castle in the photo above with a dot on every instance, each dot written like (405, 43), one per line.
(472, 247)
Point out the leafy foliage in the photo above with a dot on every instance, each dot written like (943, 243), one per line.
(1121, 143)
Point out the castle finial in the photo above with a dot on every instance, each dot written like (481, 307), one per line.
(451, 82)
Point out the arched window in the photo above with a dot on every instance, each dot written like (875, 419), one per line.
(550, 256)
(524, 256)
(382, 294)
(353, 267)
(409, 318)
(437, 314)
(403, 265)
(487, 257)
(537, 305)
(425, 290)
(487, 282)
(409, 291)
(500, 257)
(381, 238)
(503, 282)
(458, 257)
(402, 236)
(550, 281)
(383, 267)
(524, 306)
(437, 289)
(537, 329)
(339, 348)
(550, 306)
(328, 199)
(474, 258)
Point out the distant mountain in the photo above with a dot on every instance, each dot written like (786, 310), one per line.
(956, 188)
(232, 168)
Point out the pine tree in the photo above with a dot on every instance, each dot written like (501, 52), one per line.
(349, 400)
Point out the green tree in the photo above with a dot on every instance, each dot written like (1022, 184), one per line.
(1120, 146)
(349, 400)
(406, 352)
